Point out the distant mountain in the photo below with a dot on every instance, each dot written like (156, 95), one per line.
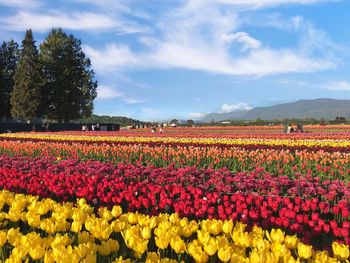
(235, 115)
(328, 109)
(319, 108)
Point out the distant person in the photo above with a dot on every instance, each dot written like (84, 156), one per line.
(290, 128)
(97, 127)
(154, 129)
(161, 129)
(83, 128)
(300, 128)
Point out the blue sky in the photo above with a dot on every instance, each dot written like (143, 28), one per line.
(159, 59)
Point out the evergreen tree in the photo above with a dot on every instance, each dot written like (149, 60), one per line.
(9, 54)
(26, 94)
(69, 88)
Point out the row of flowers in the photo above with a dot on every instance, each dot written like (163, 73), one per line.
(42, 229)
(245, 132)
(325, 165)
(252, 198)
(335, 144)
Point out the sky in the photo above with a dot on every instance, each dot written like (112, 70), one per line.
(164, 59)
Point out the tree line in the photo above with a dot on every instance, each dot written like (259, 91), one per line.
(54, 81)
(123, 121)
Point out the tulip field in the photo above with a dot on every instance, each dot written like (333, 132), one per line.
(204, 194)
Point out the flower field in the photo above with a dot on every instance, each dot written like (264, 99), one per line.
(211, 194)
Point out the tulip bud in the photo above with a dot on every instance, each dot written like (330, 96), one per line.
(340, 251)
(304, 251)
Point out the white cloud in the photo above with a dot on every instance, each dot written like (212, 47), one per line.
(244, 38)
(73, 21)
(250, 4)
(105, 92)
(340, 85)
(188, 38)
(197, 115)
(21, 3)
(226, 108)
(110, 58)
(192, 38)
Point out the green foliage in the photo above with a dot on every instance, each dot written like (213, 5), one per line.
(26, 94)
(69, 89)
(9, 55)
(123, 121)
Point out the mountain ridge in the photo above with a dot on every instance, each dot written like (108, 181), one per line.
(325, 108)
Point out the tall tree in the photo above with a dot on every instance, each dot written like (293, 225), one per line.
(26, 93)
(70, 87)
(9, 54)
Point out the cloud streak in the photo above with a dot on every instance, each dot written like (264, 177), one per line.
(226, 108)
(111, 58)
(84, 21)
(182, 43)
(251, 4)
(340, 85)
(21, 3)
(105, 92)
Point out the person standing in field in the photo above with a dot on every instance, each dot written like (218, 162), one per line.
(300, 128)
(290, 128)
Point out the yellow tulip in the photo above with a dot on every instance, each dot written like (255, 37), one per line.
(116, 211)
(76, 226)
(105, 213)
(224, 253)
(186, 231)
(340, 251)
(19, 253)
(3, 238)
(178, 244)
(14, 236)
(162, 242)
(304, 251)
(146, 232)
(276, 235)
(114, 245)
(211, 246)
(90, 258)
(322, 257)
(104, 249)
(260, 244)
(241, 239)
(121, 260)
(200, 256)
(140, 247)
(118, 225)
(132, 218)
(227, 227)
(49, 258)
(291, 242)
(79, 215)
(255, 257)
(83, 237)
(279, 250)
(37, 252)
(174, 218)
(203, 236)
(215, 227)
(33, 219)
(152, 257)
